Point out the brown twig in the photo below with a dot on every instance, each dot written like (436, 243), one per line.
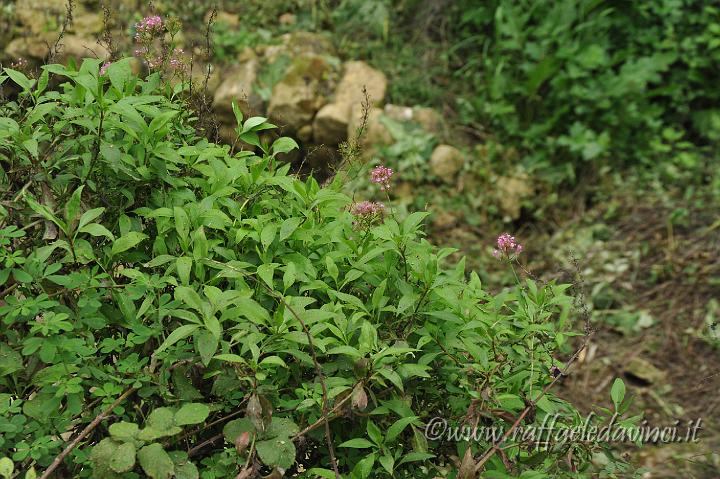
(491, 452)
(323, 418)
(88, 429)
(192, 452)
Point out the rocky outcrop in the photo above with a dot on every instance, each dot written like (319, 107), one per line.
(331, 123)
(445, 162)
(71, 46)
(299, 95)
(511, 191)
(237, 85)
(427, 118)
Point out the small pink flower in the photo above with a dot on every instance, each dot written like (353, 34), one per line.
(149, 25)
(366, 213)
(507, 247)
(104, 68)
(367, 208)
(177, 61)
(381, 175)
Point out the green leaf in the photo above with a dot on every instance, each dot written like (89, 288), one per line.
(206, 344)
(252, 123)
(101, 456)
(283, 145)
(231, 358)
(6, 467)
(184, 469)
(266, 273)
(18, 77)
(127, 241)
(237, 112)
(155, 462)
(387, 462)
(277, 452)
(357, 443)
(617, 392)
(184, 265)
(274, 360)
(193, 413)
(236, 427)
(180, 333)
(268, 235)
(10, 360)
(119, 73)
(190, 297)
(123, 431)
(72, 207)
(123, 459)
(96, 229)
(398, 427)
(182, 222)
(288, 227)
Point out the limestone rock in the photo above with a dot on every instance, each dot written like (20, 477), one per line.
(299, 95)
(358, 75)
(41, 16)
(287, 19)
(72, 46)
(87, 23)
(427, 118)
(330, 126)
(297, 44)
(512, 190)
(445, 162)
(645, 371)
(27, 47)
(229, 19)
(376, 133)
(238, 86)
(77, 46)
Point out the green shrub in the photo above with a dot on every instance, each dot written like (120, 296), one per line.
(227, 307)
(582, 84)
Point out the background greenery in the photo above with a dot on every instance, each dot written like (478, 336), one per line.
(609, 110)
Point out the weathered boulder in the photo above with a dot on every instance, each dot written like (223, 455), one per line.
(331, 123)
(28, 47)
(287, 19)
(41, 16)
(237, 86)
(644, 370)
(71, 46)
(77, 46)
(300, 94)
(359, 75)
(330, 126)
(376, 133)
(511, 191)
(427, 118)
(230, 19)
(87, 23)
(445, 162)
(297, 44)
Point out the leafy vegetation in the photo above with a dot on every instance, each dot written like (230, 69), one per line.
(170, 295)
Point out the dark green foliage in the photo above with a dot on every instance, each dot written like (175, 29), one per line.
(139, 257)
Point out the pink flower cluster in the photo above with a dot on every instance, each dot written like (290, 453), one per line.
(104, 68)
(507, 247)
(150, 25)
(366, 213)
(367, 208)
(381, 175)
(177, 61)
